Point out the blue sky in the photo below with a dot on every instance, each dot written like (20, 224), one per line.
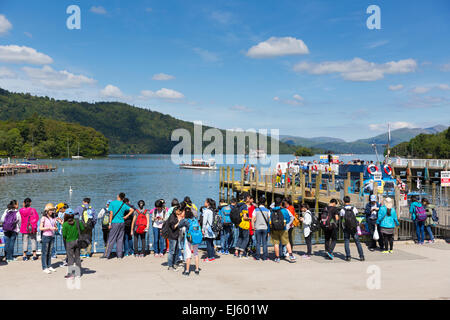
(308, 68)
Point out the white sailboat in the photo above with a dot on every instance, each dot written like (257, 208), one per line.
(78, 157)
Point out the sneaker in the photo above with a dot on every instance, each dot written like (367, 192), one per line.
(156, 255)
(385, 251)
(211, 260)
(68, 276)
(292, 257)
(35, 258)
(371, 249)
(197, 272)
(305, 256)
(161, 255)
(47, 271)
(185, 273)
(348, 259)
(362, 259)
(255, 258)
(226, 253)
(54, 257)
(25, 258)
(330, 256)
(277, 260)
(391, 251)
(52, 269)
(65, 263)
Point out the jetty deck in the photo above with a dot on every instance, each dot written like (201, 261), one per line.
(14, 168)
(230, 278)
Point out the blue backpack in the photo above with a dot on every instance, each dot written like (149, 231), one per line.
(225, 212)
(194, 234)
(421, 214)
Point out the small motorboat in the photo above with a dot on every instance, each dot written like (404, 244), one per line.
(200, 164)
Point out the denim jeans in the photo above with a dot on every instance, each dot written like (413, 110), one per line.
(420, 231)
(235, 236)
(128, 242)
(210, 247)
(261, 240)
(10, 240)
(244, 236)
(227, 238)
(46, 258)
(158, 241)
(355, 236)
(430, 232)
(173, 252)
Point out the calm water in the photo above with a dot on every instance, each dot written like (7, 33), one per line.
(147, 177)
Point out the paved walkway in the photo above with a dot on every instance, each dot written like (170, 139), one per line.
(411, 272)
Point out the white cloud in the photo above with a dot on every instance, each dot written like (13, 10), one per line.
(162, 77)
(377, 44)
(6, 73)
(394, 126)
(111, 91)
(298, 97)
(444, 86)
(17, 54)
(240, 108)
(50, 78)
(420, 90)
(28, 34)
(207, 55)
(5, 25)
(276, 99)
(396, 87)
(98, 10)
(358, 69)
(276, 47)
(163, 93)
(445, 67)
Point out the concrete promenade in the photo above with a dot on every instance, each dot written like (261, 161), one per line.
(411, 272)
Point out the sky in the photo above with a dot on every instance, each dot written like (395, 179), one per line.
(307, 68)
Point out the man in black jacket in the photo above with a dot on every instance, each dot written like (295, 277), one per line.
(173, 233)
(331, 232)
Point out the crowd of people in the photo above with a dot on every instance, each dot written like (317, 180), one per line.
(241, 227)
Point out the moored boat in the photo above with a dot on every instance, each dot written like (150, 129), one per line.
(200, 164)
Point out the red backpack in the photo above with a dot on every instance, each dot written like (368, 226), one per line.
(141, 221)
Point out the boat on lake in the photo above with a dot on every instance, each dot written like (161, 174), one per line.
(200, 164)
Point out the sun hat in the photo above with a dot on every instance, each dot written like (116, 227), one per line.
(60, 205)
(388, 203)
(49, 206)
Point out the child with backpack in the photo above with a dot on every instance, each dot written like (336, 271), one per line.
(139, 228)
(279, 219)
(227, 232)
(71, 233)
(103, 216)
(387, 219)
(306, 219)
(193, 237)
(418, 215)
(348, 214)
(329, 223)
(11, 221)
(28, 228)
(429, 222)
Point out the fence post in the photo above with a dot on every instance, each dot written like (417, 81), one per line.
(256, 188)
(317, 192)
(302, 182)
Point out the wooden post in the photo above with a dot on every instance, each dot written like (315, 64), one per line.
(433, 193)
(293, 188)
(232, 182)
(220, 183)
(349, 182)
(265, 186)
(333, 181)
(228, 184)
(256, 188)
(409, 176)
(427, 168)
(242, 178)
(361, 183)
(273, 188)
(310, 176)
(375, 188)
(286, 176)
(302, 182)
(317, 194)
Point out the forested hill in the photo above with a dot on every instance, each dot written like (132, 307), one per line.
(436, 146)
(129, 129)
(46, 138)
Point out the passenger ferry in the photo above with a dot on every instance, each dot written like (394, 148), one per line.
(200, 164)
(258, 154)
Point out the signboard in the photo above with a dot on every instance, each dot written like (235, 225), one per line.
(445, 178)
(377, 176)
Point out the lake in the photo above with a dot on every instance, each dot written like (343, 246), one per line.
(146, 177)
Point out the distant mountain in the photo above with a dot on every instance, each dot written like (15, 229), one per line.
(362, 145)
(129, 129)
(307, 142)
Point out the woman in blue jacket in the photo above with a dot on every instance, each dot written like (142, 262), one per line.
(387, 220)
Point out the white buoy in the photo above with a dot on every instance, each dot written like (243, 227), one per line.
(70, 189)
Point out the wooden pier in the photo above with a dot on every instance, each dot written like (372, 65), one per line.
(11, 169)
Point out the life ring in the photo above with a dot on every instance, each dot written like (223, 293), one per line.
(388, 169)
(371, 169)
(314, 167)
